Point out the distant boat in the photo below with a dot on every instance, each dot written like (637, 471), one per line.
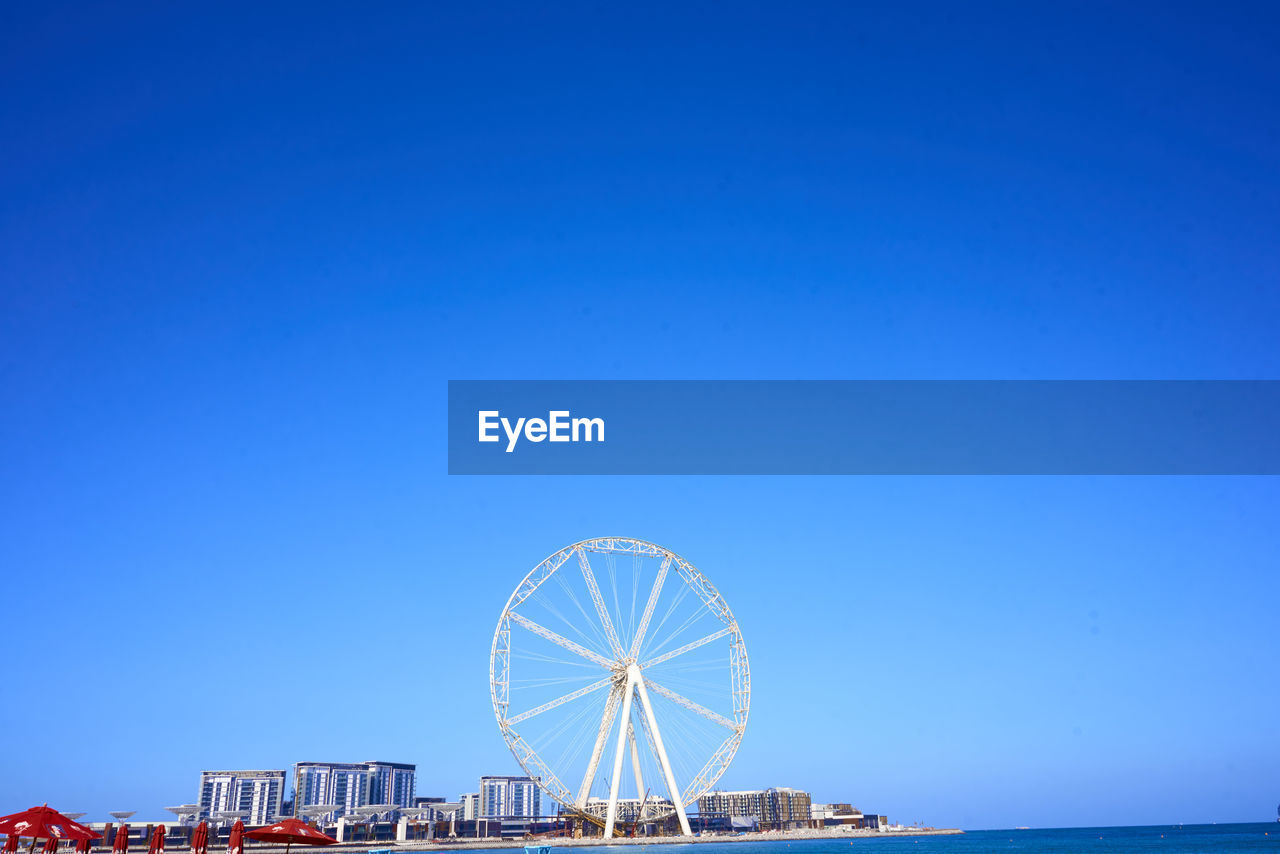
(537, 849)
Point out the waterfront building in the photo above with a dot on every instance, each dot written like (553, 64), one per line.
(436, 809)
(772, 809)
(509, 797)
(834, 815)
(351, 785)
(259, 793)
(470, 806)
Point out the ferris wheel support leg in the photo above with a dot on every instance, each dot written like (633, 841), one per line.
(635, 765)
(633, 673)
(612, 814)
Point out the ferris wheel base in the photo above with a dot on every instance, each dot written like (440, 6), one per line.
(635, 685)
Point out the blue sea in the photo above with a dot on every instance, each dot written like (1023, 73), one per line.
(1165, 839)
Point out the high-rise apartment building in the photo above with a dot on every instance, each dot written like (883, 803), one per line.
(349, 785)
(509, 797)
(258, 793)
(470, 806)
(391, 783)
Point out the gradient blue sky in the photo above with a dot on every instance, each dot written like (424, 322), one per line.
(243, 250)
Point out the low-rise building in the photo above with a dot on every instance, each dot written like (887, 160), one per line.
(773, 809)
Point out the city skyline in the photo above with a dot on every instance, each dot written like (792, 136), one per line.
(261, 793)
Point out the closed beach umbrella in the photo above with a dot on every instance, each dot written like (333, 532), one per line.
(120, 844)
(200, 839)
(289, 831)
(156, 846)
(83, 846)
(235, 845)
(51, 845)
(11, 844)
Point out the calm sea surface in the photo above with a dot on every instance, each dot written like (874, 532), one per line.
(1178, 839)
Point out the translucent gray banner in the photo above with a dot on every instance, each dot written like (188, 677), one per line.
(864, 427)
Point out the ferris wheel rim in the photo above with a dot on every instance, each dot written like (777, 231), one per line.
(720, 758)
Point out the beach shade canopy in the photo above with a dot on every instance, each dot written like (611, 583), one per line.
(235, 844)
(156, 846)
(289, 831)
(44, 823)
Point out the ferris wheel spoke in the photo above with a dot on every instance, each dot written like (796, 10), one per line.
(560, 701)
(648, 608)
(667, 656)
(544, 632)
(545, 602)
(691, 705)
(550, 659)
(586, 618)
(636, 566)
(671, 609)
(689, 622)
(601, 609)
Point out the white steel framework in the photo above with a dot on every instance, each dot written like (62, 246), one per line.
(656, 632)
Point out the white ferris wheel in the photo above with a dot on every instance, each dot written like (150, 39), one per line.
(621, 640)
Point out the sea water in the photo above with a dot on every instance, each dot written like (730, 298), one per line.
(1164, 839)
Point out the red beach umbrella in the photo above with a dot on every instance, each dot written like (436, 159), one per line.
(289, 831)
(200, 839)
(51, 845)
(83, 846)
(44, 823)
(235, 845)
(156, 845)
(11, 844)
(120, 844)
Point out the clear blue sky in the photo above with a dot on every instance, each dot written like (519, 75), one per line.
(243, 250)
